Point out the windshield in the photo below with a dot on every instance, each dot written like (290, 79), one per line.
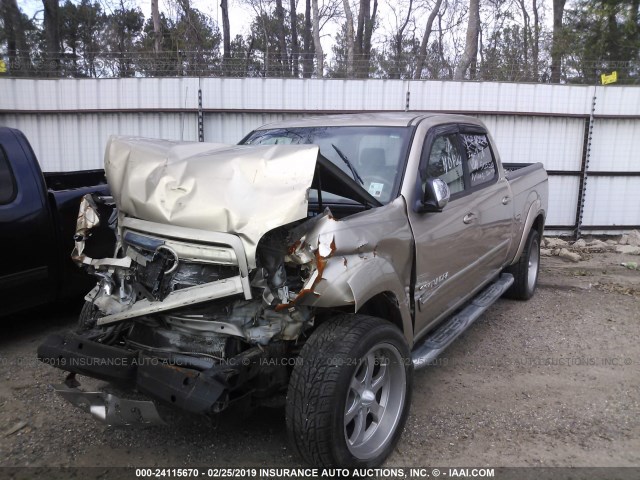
(372, 156)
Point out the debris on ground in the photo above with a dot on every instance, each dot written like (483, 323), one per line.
(567, 255)
(16, 428)
(575, 251)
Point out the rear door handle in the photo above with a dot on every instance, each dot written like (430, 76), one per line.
(469, 217)
(506, 200)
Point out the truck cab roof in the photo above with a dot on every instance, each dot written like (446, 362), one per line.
(391, 119)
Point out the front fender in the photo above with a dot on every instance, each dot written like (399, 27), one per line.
(352, 280)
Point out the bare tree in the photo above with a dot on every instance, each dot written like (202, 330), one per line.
(366, 24)
(556, 47)
(282, 42)
(398, 41)
(157, 29)
(316, 39)
(295, 48)
(424, 44)
(349, 40)
(535, 53)
(226, 33)
(52, 33)
(526, 34)
(471, 43)
(261, 14)
(307, 61)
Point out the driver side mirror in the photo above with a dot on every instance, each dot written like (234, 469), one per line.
(436, 196)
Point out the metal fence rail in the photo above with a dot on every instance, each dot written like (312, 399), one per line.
(584, 135)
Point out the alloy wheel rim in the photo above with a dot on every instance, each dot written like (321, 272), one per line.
(534, 259)
(375, 401)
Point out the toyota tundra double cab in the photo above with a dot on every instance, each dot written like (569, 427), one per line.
(315, 265)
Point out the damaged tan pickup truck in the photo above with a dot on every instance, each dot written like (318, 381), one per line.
(313, 266)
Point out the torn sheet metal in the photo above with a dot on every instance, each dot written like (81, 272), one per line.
(88, 218)
(110, 409)
(179, 298)
(243, 190)
(346, 254)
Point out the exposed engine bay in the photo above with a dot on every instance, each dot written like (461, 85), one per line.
(154, 269)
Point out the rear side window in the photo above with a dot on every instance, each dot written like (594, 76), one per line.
(7, 181)
(482, 167)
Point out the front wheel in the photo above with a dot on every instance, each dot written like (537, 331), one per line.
(349, 394)
(88, 317)
(525, 271)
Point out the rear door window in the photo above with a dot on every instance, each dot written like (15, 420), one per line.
(482, 166)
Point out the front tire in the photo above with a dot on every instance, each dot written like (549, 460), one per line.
(88, 317)
(349, 393)
(525, 270)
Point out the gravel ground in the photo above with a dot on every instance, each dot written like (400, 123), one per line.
(549, 382)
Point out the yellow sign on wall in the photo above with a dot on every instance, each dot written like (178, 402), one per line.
(611, 78)
(3, 67)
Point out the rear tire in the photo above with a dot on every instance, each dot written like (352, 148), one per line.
(525, 271)
(349, 393)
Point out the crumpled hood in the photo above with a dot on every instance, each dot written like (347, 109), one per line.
(244, 190)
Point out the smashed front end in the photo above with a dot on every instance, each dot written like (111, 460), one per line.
(213, 281)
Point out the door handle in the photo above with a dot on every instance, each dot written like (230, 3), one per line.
(506, 200)
(469, 217)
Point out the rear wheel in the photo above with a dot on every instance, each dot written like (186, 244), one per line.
(525, 271)
(349, 394)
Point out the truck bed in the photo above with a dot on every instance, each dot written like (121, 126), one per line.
(515, 170)
(57, 181)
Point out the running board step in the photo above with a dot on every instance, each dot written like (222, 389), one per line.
(432, 346)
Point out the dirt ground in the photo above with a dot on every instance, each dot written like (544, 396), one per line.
(554, 381)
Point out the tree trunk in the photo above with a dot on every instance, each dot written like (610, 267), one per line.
(471, 42)
(282, 42)
(349, 40)
(359, 40)
(443, 59)
(536, 41)
(157, 33)
(526, 34)
(424, 44)
(52, 34)
(556, 47)
(366, 25)
(399, 37)
(370, 23)
(307, 61)
(226, 37)
(295, 47)
(316, 39)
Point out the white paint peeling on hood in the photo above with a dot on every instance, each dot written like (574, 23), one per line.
(243, 190)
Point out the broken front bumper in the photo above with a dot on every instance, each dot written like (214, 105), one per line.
(201, 392)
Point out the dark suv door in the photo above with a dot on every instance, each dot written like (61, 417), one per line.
(28, 256)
